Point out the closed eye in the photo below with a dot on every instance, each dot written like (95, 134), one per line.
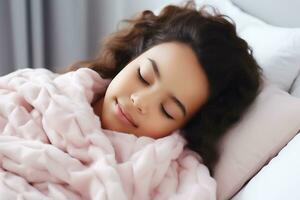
(140, 76)
(165, 112)
(161, 106)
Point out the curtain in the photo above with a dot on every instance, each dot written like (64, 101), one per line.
(56, 33)
(53, 33)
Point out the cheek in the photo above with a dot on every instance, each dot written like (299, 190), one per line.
(162, 133)
(123, 83)
(156, 127)
(116, 87)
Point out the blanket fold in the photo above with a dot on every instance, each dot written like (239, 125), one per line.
(52, 146)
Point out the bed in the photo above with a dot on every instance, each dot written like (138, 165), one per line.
(260, 155)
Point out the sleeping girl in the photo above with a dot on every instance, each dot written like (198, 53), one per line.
(140, 121)
(183, 69)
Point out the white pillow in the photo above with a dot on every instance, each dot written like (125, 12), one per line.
(276, 49)
(295, 89)
(270, 123)
(278, 180)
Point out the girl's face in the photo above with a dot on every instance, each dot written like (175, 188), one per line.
(159, 91)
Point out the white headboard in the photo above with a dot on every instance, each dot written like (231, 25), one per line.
(284, 13)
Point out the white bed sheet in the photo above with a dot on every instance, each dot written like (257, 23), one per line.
(279, 179)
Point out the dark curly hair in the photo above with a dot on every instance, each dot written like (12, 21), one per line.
(233, 74)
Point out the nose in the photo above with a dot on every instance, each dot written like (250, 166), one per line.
(139, 102)
(144, 100)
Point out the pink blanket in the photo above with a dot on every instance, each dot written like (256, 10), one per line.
(52, 146)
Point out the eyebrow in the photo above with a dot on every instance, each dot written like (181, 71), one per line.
(175, 99)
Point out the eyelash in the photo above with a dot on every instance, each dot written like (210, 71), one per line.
(165, 112)
(145, 82)
(140, 76)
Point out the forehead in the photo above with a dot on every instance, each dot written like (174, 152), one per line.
(181, 72)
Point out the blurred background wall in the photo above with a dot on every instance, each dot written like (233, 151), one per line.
(56, 33)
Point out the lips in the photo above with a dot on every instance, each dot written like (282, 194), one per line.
(125, 117)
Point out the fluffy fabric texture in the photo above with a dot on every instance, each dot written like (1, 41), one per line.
(52, 146)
